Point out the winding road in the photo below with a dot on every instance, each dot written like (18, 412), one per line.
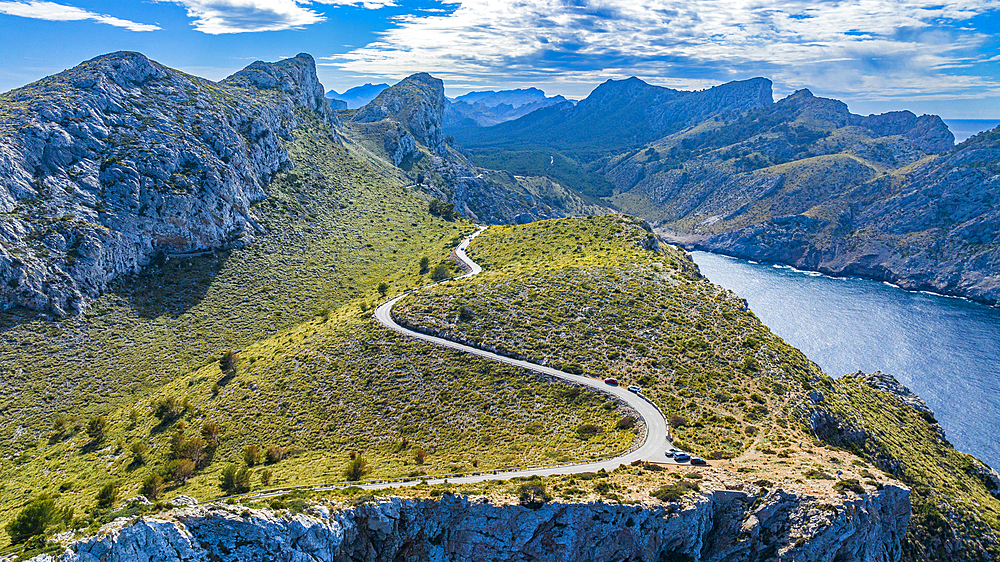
(656, 440)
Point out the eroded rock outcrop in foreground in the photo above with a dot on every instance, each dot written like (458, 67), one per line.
(722, 526)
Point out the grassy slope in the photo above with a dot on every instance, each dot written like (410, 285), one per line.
(954, 516)
(318, 386)
(583, 291)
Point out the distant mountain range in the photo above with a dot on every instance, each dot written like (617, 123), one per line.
(357, 96)
(800, 181)
(486, 108)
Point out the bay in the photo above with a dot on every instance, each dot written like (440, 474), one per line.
(947, 350)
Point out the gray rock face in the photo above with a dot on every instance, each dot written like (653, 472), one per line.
(417, 103)
(106, 165)
(723, 526)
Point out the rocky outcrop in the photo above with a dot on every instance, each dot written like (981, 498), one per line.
(722, 526)
(416, 104)
(106, 165)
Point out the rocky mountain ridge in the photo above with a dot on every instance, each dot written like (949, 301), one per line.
(107, 165)
(720, 526)
(405, 125)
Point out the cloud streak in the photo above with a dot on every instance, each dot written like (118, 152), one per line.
(879, 47)
(51, 11)
(218, 17)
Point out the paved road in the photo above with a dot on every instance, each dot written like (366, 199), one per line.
(657, 437)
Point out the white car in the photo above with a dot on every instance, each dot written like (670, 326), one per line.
(633, 388)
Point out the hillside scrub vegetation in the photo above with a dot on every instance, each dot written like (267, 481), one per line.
(587, 296)
(169, 378)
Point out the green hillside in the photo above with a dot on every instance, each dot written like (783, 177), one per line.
(585, 295)
(314, 378)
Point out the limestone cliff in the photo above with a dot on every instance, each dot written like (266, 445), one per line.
(404, 125)
(721, 526)
(120, 159)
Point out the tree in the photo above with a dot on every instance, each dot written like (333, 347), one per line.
(356, 469)
(180, 470)
(425, 265)
(168, 409)
(227, 364)
(274, 454)
(419, 456)
(193, 449)
(244, 480)
(211, 431)
(227, 480)
(96, 428)
(35, 518)
(441, 272)
(107, 495)
(383, 287)
(152, 486)
(441, 209)
(234, 480)
(266, 476)
(251, 455)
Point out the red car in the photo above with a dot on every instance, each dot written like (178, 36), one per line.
(611, 380)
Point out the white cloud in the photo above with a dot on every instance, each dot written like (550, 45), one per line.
(370, 4)
(51, 11)
(881, 47)
(216, 17)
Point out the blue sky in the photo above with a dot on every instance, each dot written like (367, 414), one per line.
(877, 55)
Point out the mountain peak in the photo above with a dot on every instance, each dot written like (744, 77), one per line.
(295, 76)
(416, 102)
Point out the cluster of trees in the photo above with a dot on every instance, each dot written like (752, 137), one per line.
(444, 210)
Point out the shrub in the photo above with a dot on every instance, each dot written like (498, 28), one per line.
(168, 409)
(674, 492)
(35, 518)
(572, 368)
(817, 474)
(139, 450)
(266, 476)
(235, 480)
(107, 496)
(627, 422)
(274, 454)
(192, 449)
(96, 429)
(251, 455)
(441, 272)
(419, 456)
(211, 431)
(180, 470)
(532, 496)
(227, 364)
(587, 430)
(383, 288)
(849, 485)
(465, 314)
(425, 265)
(356, 469)
(152, 486)
(678, 421)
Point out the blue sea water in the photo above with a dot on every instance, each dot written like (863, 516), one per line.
(945, 349)
(965, 128)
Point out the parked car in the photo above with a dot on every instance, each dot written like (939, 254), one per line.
(633, 388)
(698, 460)
(670, 454)
(682, 457)
(611, 380)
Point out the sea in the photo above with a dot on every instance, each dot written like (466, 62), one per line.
(965, 128)
(945, 349)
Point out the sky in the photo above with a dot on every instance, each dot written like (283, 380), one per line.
(928, 56)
